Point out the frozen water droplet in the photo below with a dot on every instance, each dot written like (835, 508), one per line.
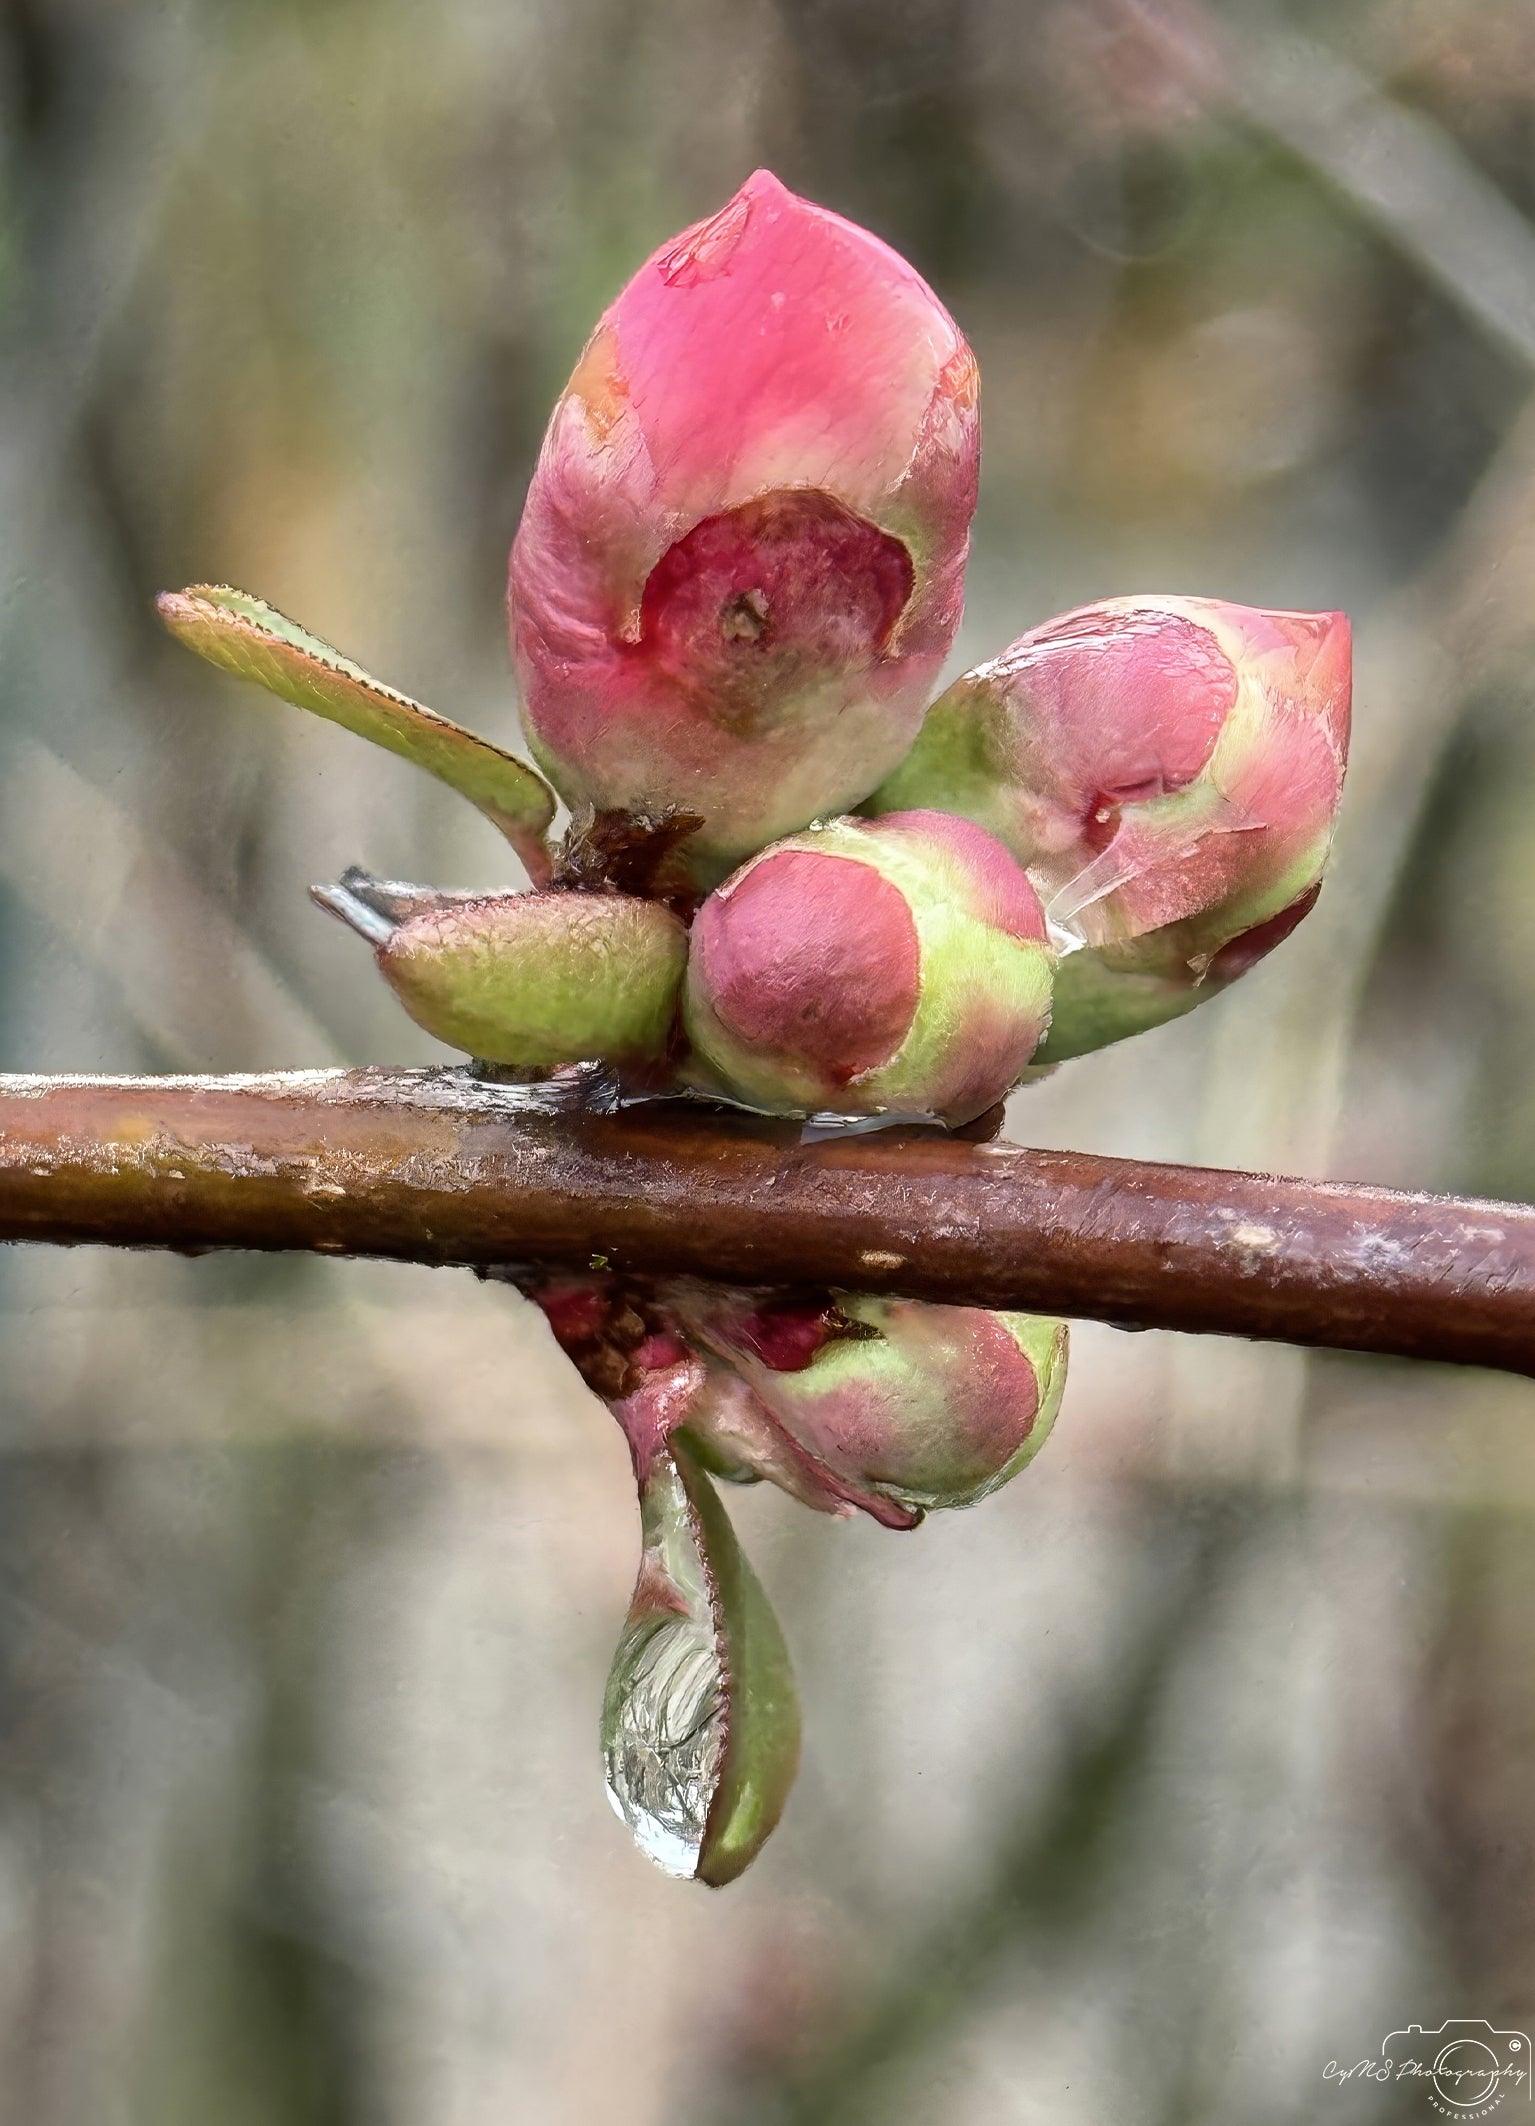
(819, 1127)
(663, 1717)
(662, 1752)
(700, 1729)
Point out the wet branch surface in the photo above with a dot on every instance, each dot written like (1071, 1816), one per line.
(433, 1166)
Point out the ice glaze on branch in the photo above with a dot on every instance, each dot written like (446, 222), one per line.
(433, 1166)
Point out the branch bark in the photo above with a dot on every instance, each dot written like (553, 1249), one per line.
(432, 1166)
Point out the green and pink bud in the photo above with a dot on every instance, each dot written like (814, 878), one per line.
(659, 1380)
(920, 1405)
(864, 967)
(530, 981)
(740, 566)
(1169, 770)
(736, 1435)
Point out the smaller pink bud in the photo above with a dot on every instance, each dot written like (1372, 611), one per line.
(923, 1405)
(741, 562)
(865, 967)
(1168, 770)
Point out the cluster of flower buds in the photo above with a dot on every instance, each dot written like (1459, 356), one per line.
(792, 885)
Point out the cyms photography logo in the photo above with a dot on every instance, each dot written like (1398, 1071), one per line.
(1465, 2069)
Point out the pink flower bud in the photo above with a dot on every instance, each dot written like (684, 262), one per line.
(869, 966)
(928, 1406)
(1169, 770)
(741, 561)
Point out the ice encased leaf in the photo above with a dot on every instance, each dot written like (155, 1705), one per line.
(700, 1728)
(663, 1718)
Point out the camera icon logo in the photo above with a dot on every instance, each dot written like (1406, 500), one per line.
(1467, 2068)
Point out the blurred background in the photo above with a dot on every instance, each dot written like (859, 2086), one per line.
(1194, 1762)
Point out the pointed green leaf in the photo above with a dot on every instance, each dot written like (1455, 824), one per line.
(700, 1723)
(254, 641)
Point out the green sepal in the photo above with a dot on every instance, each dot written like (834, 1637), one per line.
(532, 981)
(1097, 1004)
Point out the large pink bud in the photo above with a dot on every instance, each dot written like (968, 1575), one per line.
(1169, 771)
(740, 565)
(867, 966)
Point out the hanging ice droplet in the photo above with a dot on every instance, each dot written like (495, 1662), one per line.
(667, 1736)
(700, 1729)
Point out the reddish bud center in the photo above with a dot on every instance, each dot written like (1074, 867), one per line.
(784, 1338)
(1247, 949)
(660, 1348)
(576, 1312)
(790, 582)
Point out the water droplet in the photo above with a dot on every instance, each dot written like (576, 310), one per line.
(820, 1127)
(662, 1754)
(663, 1721)
(700, 1730)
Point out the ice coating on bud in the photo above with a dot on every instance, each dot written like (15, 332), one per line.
(700, 1723)
(869, 966)
(931, 1406)
(533, 980)
(741, 561)
(1169, 771)
(1108, 992)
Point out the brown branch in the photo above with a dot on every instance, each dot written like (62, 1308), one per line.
(434, 1167)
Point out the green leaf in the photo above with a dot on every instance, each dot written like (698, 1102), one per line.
(700, 1723)
(252, 640)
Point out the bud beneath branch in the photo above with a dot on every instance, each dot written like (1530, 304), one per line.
(738, 1436)
(926, 1406)
(532, 980)
(741, 562)
(867, 967)
(1169, 770)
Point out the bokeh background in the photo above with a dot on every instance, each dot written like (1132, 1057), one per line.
(1196, 1761)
